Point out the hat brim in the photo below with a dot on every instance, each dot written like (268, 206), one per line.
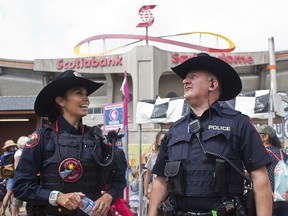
(9, 145)
(231, 84)
(45, 100)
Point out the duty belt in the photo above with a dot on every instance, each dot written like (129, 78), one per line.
(198, 214)
(195, 214)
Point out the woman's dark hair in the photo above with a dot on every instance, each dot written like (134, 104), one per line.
(56, 110)
(158, 135)
(275, 141)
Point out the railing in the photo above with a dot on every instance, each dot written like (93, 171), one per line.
(142, 200)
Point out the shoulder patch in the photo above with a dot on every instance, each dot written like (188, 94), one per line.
(34, 140)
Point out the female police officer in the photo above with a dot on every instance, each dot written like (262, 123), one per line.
(210, 130)
(68, 154)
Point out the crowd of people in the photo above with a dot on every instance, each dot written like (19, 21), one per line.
(195, 168)
(9, 162)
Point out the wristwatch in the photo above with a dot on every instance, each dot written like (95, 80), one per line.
(53, 197)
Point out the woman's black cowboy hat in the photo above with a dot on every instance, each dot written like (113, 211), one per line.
(45, 101)
(230, 81)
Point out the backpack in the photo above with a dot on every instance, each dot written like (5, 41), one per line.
(7, 165)
(280, 178)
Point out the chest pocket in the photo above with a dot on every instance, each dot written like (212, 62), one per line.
(217, 141)
(69, 145)
(179, 145)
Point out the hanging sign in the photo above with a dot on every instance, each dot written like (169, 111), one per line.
(113, 117)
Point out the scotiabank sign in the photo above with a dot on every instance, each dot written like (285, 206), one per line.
(89, 63)
(230, 59)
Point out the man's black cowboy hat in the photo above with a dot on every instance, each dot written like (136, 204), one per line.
(45, 101)
(230, 81)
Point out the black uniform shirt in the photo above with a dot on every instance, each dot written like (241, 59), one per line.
(244, 140)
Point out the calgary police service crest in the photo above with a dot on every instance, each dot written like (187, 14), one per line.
(70, 170)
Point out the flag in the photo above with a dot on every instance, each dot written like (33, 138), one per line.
(125, 88)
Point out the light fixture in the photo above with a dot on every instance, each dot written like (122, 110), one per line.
(14, 120)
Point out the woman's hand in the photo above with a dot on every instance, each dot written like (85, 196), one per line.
(70, 201)
(102, 205)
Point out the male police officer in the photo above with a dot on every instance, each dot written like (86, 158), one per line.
(195, 144)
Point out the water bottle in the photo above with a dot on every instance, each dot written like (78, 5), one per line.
(88, 205)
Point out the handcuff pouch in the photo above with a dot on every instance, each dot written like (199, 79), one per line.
(174, 173)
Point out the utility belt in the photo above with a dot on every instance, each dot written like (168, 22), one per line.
(229, 207)
(194, 213)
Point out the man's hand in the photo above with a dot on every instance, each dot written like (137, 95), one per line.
(158, 194)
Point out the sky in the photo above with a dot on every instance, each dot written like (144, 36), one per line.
(50, 29)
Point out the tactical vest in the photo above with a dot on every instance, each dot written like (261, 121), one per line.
(200, 176)
(81, 147)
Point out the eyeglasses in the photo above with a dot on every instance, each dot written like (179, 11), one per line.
(262, 133)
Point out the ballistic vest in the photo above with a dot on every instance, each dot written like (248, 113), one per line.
(81, 147)
(202, 176)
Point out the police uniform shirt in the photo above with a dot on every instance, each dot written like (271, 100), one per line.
(217, 125)
(26, 187)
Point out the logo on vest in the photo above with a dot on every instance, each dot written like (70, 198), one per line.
(70, 170)
(219, 127)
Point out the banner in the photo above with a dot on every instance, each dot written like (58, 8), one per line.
(255, 104)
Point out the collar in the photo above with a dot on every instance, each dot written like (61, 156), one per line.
(66, 126)
(214, 108)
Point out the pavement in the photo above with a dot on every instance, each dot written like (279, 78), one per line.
(22, 211)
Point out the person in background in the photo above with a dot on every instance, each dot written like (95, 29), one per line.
(273, 146)
(197, 151)
(134, 188)
(150, 163)
(74, 160)
(20, 143)
(3, 190)
(9, 148)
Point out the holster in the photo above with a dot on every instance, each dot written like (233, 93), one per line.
(166, 208)
(249, 202)
(174, 172)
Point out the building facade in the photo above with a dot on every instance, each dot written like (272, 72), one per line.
(149, 76)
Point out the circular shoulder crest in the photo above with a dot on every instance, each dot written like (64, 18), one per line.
(34, 140)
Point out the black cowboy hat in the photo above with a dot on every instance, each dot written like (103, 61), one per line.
(230, 81)
(45, 100)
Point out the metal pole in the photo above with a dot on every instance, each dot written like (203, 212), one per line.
(273, 79)
(146, 36)
(141, 195)
(140, 148)
(140, 169)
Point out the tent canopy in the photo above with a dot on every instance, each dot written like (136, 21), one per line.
(255, 104)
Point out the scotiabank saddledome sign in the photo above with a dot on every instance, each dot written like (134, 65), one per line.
(115, 61)
(89, 63)
(230, 59)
